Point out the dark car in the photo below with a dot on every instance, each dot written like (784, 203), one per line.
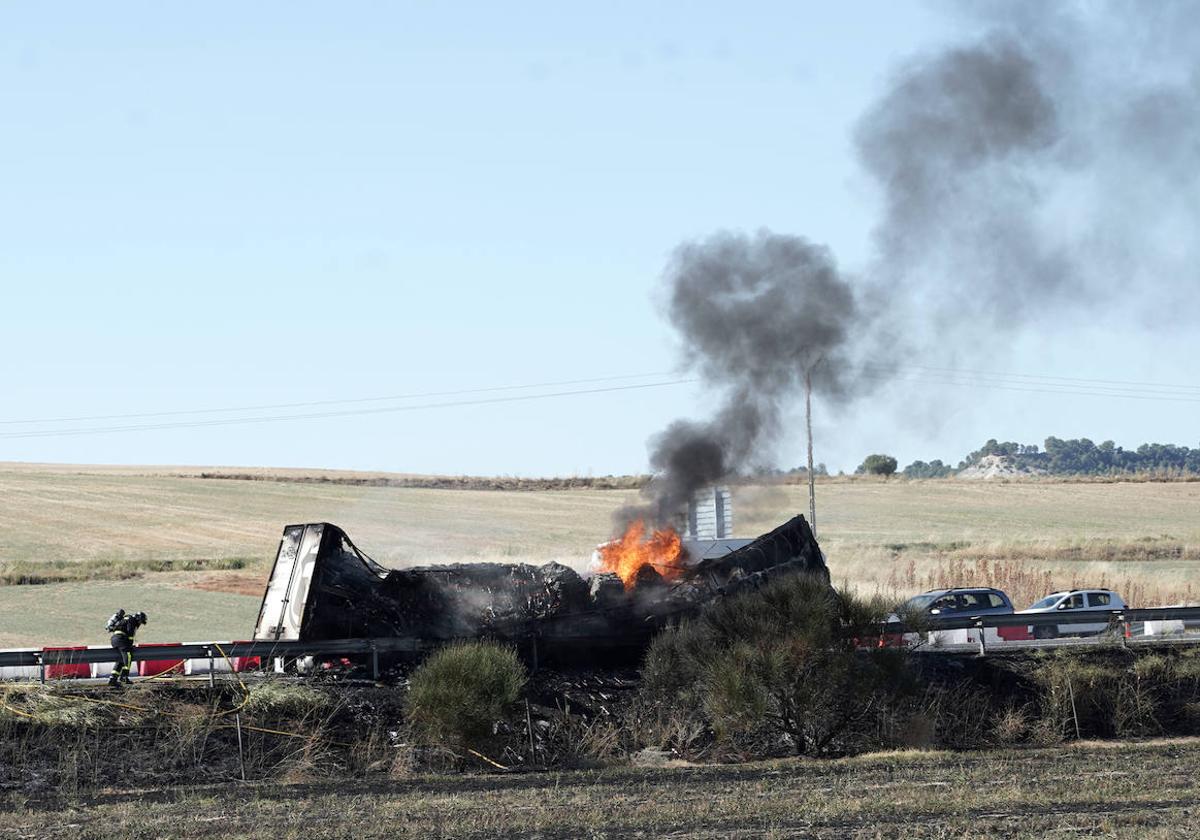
(963, 601)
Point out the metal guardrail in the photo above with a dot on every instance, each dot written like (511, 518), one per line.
(1121, 621)
(216, 651)
(267, 649)
(1130, 616)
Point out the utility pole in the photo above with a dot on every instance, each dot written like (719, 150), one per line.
(812, 484)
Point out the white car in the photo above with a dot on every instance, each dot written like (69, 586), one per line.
(1074, 601)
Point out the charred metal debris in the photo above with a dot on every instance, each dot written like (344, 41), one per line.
(323, 587)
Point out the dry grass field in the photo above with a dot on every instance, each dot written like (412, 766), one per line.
(89, 527)
(1147, 791)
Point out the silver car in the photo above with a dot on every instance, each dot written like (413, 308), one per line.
(1075, 601)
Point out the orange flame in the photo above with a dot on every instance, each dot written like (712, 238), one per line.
(626, 556)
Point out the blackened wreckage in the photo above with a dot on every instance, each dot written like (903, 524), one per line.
(323, 587)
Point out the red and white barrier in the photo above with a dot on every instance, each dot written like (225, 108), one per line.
(220, 664)
(1023, 633)
(154, 667)
(246, 663)
(962, 636)
(72, 671)
(105, 669)
(1170, 627)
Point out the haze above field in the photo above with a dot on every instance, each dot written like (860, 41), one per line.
(235, 206)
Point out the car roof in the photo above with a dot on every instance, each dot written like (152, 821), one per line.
(1077, 591)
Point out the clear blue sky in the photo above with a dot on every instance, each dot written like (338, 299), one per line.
(232, 204)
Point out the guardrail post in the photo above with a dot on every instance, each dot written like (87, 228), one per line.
(982, 639)
(241, 752)
(374, 661)
(1124, 630)
(212, 666)
(41, 669)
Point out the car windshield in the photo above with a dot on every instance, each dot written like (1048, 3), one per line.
(920, 602)
(1048, 601)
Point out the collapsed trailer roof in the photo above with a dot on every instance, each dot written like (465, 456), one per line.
(323, 587)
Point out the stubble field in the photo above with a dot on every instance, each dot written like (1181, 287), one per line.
(1147, 791)
(194, 552)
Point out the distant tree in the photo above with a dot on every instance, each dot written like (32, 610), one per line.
(878, 465)
(934, 469)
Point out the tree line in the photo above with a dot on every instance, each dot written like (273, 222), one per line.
(1079, 456)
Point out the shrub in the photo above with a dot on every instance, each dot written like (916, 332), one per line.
(1011, 726)
(285, 700)
(458, 695)
(1189, 719)
(40, 704)
(1117, 696)
(878, 465)
(1078, 696)
(781, 667)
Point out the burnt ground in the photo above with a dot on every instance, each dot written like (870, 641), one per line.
(1144, 790)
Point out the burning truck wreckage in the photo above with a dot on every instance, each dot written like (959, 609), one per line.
(794, 315)
(323, 587)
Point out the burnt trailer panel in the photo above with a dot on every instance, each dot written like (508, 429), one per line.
(323, 587)
(286, 597)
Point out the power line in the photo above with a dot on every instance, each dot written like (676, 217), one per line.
(921, 375)
(314, 403)
(1063, 384)
(239, 421)
(1041, 387)
(1067, 379)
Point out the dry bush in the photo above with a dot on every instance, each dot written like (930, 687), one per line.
(183, 737)
(69, 738)
(1118, 696)
(279, 700)
(1012, 726)
(1189, 719)
(961, 713)
(303, 760)
(457, 696)
(575, 741)
(405, 761)
(371, 750)
(39, 704)
(1079, 696)
(779, 670)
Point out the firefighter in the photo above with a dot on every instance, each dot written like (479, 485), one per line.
(123, 627)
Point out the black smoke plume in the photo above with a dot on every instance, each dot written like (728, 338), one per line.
(1040, 172)
(755, 313)
(955, 146)
(1046, 170)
